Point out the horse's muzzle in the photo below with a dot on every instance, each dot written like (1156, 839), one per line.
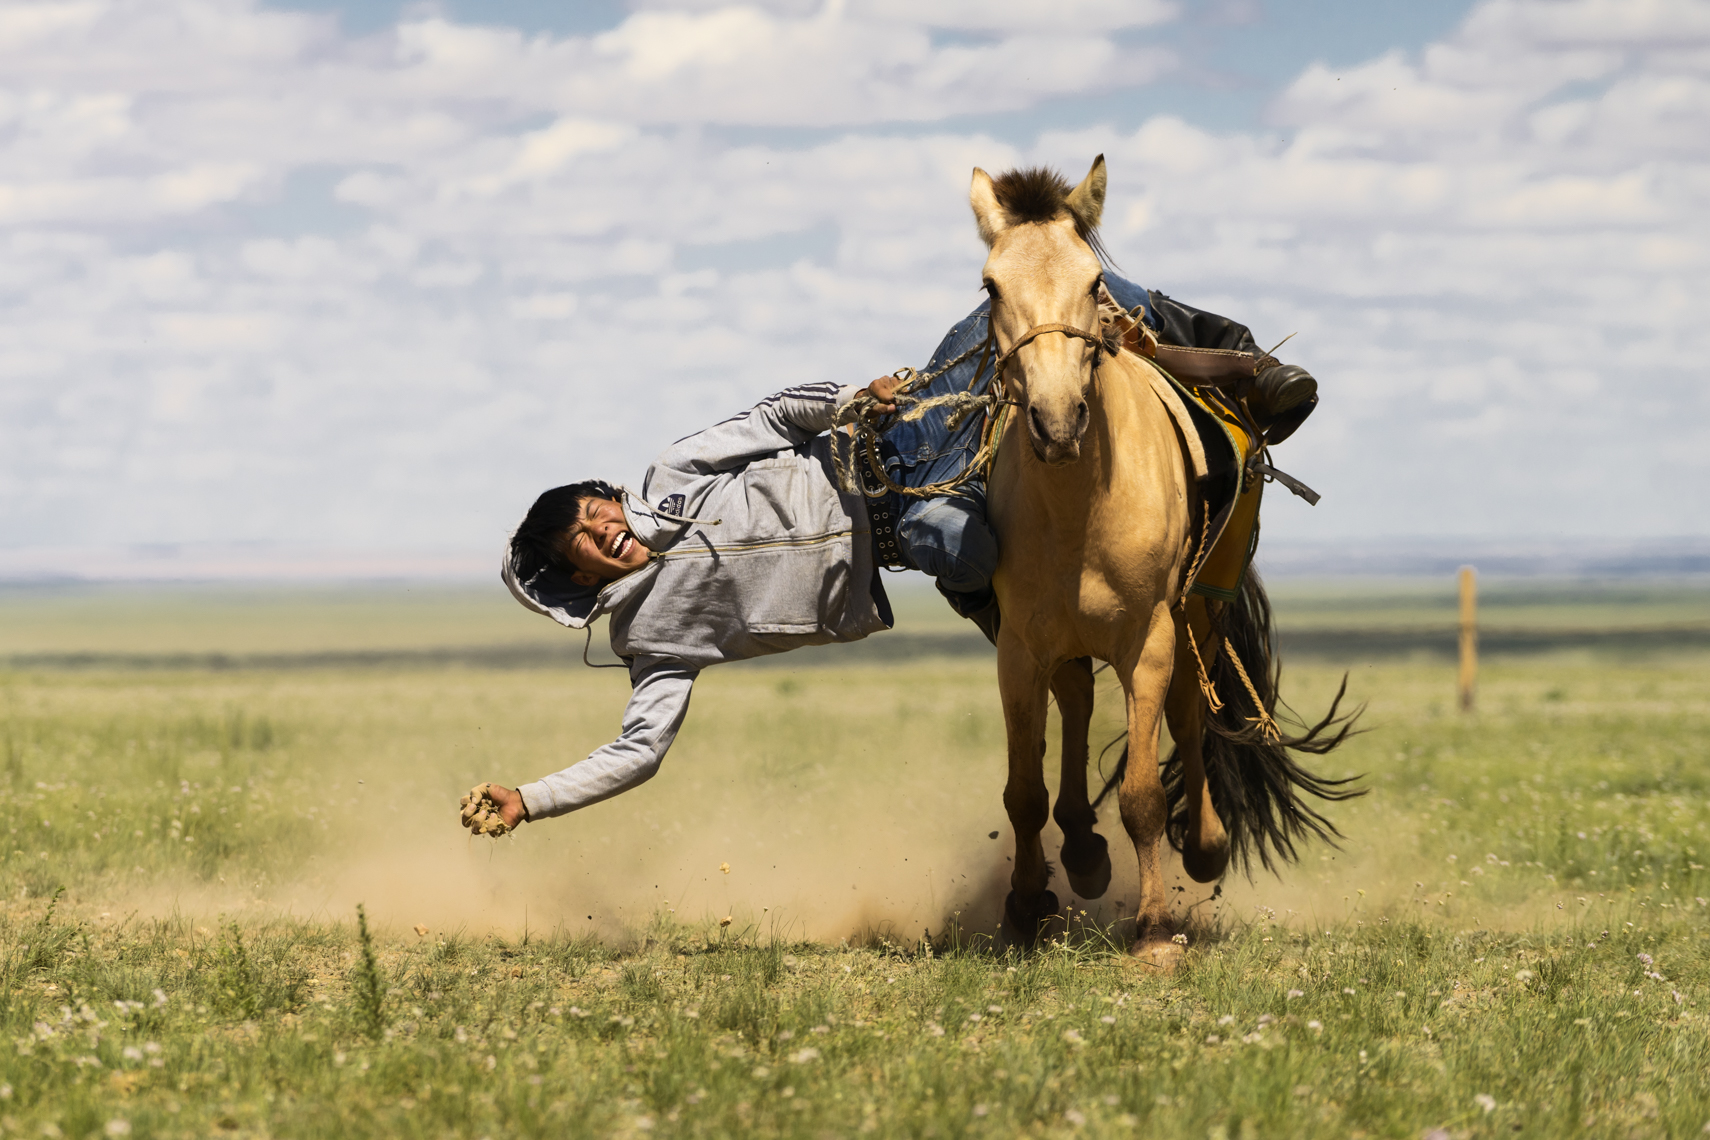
(1056, 440)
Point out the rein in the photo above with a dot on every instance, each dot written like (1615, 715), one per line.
(865, 428)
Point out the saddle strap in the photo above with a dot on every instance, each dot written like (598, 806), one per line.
(1212, 367)
(1289, 481)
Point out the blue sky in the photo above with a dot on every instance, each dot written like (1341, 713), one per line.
(369, 276)
(1238, 54)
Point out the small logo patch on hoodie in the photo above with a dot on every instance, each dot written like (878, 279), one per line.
(671, 505)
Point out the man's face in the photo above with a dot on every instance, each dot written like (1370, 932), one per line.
(599, 545)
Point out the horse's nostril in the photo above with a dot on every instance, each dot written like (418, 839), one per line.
(1038, 423)
(1081, 418)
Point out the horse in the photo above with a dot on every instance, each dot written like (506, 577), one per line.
(1094, 507)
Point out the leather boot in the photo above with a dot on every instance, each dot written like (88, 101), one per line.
(979, 607)
(1283, 396)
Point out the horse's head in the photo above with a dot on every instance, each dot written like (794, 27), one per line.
(1043, 269)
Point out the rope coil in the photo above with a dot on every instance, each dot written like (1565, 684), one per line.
(865, 428)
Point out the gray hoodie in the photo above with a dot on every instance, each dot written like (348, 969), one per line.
(755, 551)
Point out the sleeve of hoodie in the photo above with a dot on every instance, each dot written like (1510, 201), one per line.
(657, 705)
(788, 419)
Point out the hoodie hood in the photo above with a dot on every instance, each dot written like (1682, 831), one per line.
(777, 557)
(555, 593)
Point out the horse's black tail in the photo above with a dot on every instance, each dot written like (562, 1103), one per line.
(1256, 785)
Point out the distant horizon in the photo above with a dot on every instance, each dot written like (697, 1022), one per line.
(1397, 556)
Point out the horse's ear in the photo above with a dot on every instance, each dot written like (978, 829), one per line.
(987, 213)
(1086, 201)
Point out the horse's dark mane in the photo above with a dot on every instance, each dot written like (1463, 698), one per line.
(1039, 194)
(1034, 194)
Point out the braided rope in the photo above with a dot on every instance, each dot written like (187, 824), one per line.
(1206, 688)
(1266, 724)
(865, 430)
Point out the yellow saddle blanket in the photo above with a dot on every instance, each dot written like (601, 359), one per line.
(1219, 443)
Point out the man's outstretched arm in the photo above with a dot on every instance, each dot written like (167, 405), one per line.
(778, 422)
(655, 712)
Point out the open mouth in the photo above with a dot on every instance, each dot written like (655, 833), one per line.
(621, 546)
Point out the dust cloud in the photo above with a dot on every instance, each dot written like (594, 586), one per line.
(868, 879)
(856, 869)
(828, 836)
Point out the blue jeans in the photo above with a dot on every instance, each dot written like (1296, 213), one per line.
(950, 539)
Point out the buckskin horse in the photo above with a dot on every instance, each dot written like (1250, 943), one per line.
(1100, 521)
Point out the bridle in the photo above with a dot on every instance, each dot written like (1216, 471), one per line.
(1100, 344)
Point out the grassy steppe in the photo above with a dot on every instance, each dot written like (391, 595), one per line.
(1513, 940)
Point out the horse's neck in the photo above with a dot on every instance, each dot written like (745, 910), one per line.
(1118, 424)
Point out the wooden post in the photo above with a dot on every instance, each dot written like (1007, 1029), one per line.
(1469, 636)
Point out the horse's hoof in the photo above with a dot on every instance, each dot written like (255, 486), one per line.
(1025, 924)
(1205, 865)
(1157, 955)
(1088, 866)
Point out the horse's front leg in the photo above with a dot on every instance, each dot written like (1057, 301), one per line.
(1146, 680)
(1021, 686)
(1086, 856)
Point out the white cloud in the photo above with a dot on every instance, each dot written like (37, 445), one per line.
(265, 282)
(967, 15)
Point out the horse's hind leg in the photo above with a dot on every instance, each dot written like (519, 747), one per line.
(1021, 685)
(1205, 847)
(1145, 811)
(1086, 856)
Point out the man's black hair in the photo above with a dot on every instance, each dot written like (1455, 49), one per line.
(536, 546)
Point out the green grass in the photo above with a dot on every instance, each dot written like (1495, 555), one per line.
(203, 971)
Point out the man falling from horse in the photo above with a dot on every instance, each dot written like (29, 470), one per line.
(747, 539)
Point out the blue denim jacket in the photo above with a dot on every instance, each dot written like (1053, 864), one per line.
(927, 451)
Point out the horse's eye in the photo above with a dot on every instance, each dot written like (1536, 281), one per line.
(990, 287)
(1098, 283)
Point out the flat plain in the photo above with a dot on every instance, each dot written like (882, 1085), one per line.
(1513, 938)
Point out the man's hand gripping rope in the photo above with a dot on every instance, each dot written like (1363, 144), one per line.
(888, 396)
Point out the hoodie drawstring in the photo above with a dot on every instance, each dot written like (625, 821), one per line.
(589, 644)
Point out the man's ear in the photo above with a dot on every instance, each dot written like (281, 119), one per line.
(584, 578)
